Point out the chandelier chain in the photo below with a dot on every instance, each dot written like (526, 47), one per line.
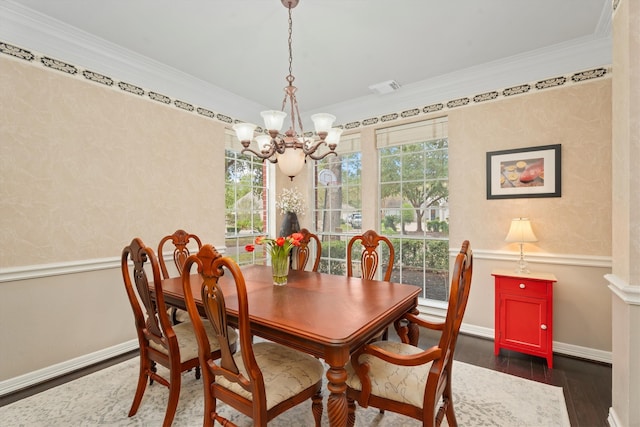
(290, 48)
(291, 149)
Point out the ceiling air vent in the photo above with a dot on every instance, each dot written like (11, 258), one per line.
(385, 87)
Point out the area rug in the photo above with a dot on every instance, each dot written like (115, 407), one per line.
(482, 398)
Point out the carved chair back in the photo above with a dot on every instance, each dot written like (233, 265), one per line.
(370, 242)
(180, 239)
(305, 250)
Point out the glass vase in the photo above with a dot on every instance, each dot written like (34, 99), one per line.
(280, 268)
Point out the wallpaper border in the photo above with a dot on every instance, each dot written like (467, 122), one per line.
(130, 88)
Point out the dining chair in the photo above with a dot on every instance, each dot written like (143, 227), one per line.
(181, 241)
(306, 249)
(261, 380)
(172, 346)
(407, 379)
(370, 243)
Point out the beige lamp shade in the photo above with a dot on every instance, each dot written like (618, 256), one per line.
(520, 231)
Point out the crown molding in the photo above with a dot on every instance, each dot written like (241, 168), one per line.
(558, 60)
(29, 29)
(26, 28)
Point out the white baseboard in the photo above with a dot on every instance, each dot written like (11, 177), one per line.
(32, 378)
(612, 419)
(558, 347)
(41, 375)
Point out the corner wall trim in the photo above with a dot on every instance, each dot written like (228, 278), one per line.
(627, 293)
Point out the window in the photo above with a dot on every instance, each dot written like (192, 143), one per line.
(414, 213)
(338, 203)
(245, 203)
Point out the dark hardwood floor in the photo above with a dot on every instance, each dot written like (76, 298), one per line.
(586, 385)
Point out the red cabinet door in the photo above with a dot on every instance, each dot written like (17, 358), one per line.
(523, 324)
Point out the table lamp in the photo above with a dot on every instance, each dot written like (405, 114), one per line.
(521, 232)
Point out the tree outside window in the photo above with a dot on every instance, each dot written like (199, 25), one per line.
(338, 204)
(245, 206)
(414, 211)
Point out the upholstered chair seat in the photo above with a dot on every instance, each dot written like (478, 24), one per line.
(286, 372)
(187, 342)
(398, 383)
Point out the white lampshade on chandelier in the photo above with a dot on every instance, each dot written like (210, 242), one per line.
(290, 150)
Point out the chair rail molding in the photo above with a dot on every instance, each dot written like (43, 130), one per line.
(25, 272)
(542, 258)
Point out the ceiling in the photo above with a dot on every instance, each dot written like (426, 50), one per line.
(340, 47)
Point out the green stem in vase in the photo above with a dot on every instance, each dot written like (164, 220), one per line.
(280, 265)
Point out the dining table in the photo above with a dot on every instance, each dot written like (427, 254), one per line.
(325, 315)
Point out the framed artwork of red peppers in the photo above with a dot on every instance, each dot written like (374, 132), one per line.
(524, 172)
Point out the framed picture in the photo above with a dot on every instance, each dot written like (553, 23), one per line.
(524, 172)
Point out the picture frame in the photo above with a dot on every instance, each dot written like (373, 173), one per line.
(524, 172)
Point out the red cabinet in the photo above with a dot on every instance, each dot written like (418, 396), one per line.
(524, 313)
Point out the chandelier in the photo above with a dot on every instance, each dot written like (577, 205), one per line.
(290, 150)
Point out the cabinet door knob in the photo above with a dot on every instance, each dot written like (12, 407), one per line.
(522, 286)
(543, 327)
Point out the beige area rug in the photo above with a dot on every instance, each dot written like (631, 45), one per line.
(482, 398)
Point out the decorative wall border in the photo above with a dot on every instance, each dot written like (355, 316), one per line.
(94, 77)
(97, 78)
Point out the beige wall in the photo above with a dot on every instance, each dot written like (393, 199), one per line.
(576, 225)
(85, 168)
(579, 118)
(625, 277)
(574, 231)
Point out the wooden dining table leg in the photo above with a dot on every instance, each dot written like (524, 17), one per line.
(337, 401)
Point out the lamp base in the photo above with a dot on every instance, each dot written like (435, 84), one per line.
(522, 267)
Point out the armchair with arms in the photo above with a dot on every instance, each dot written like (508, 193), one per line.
(404, 378)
